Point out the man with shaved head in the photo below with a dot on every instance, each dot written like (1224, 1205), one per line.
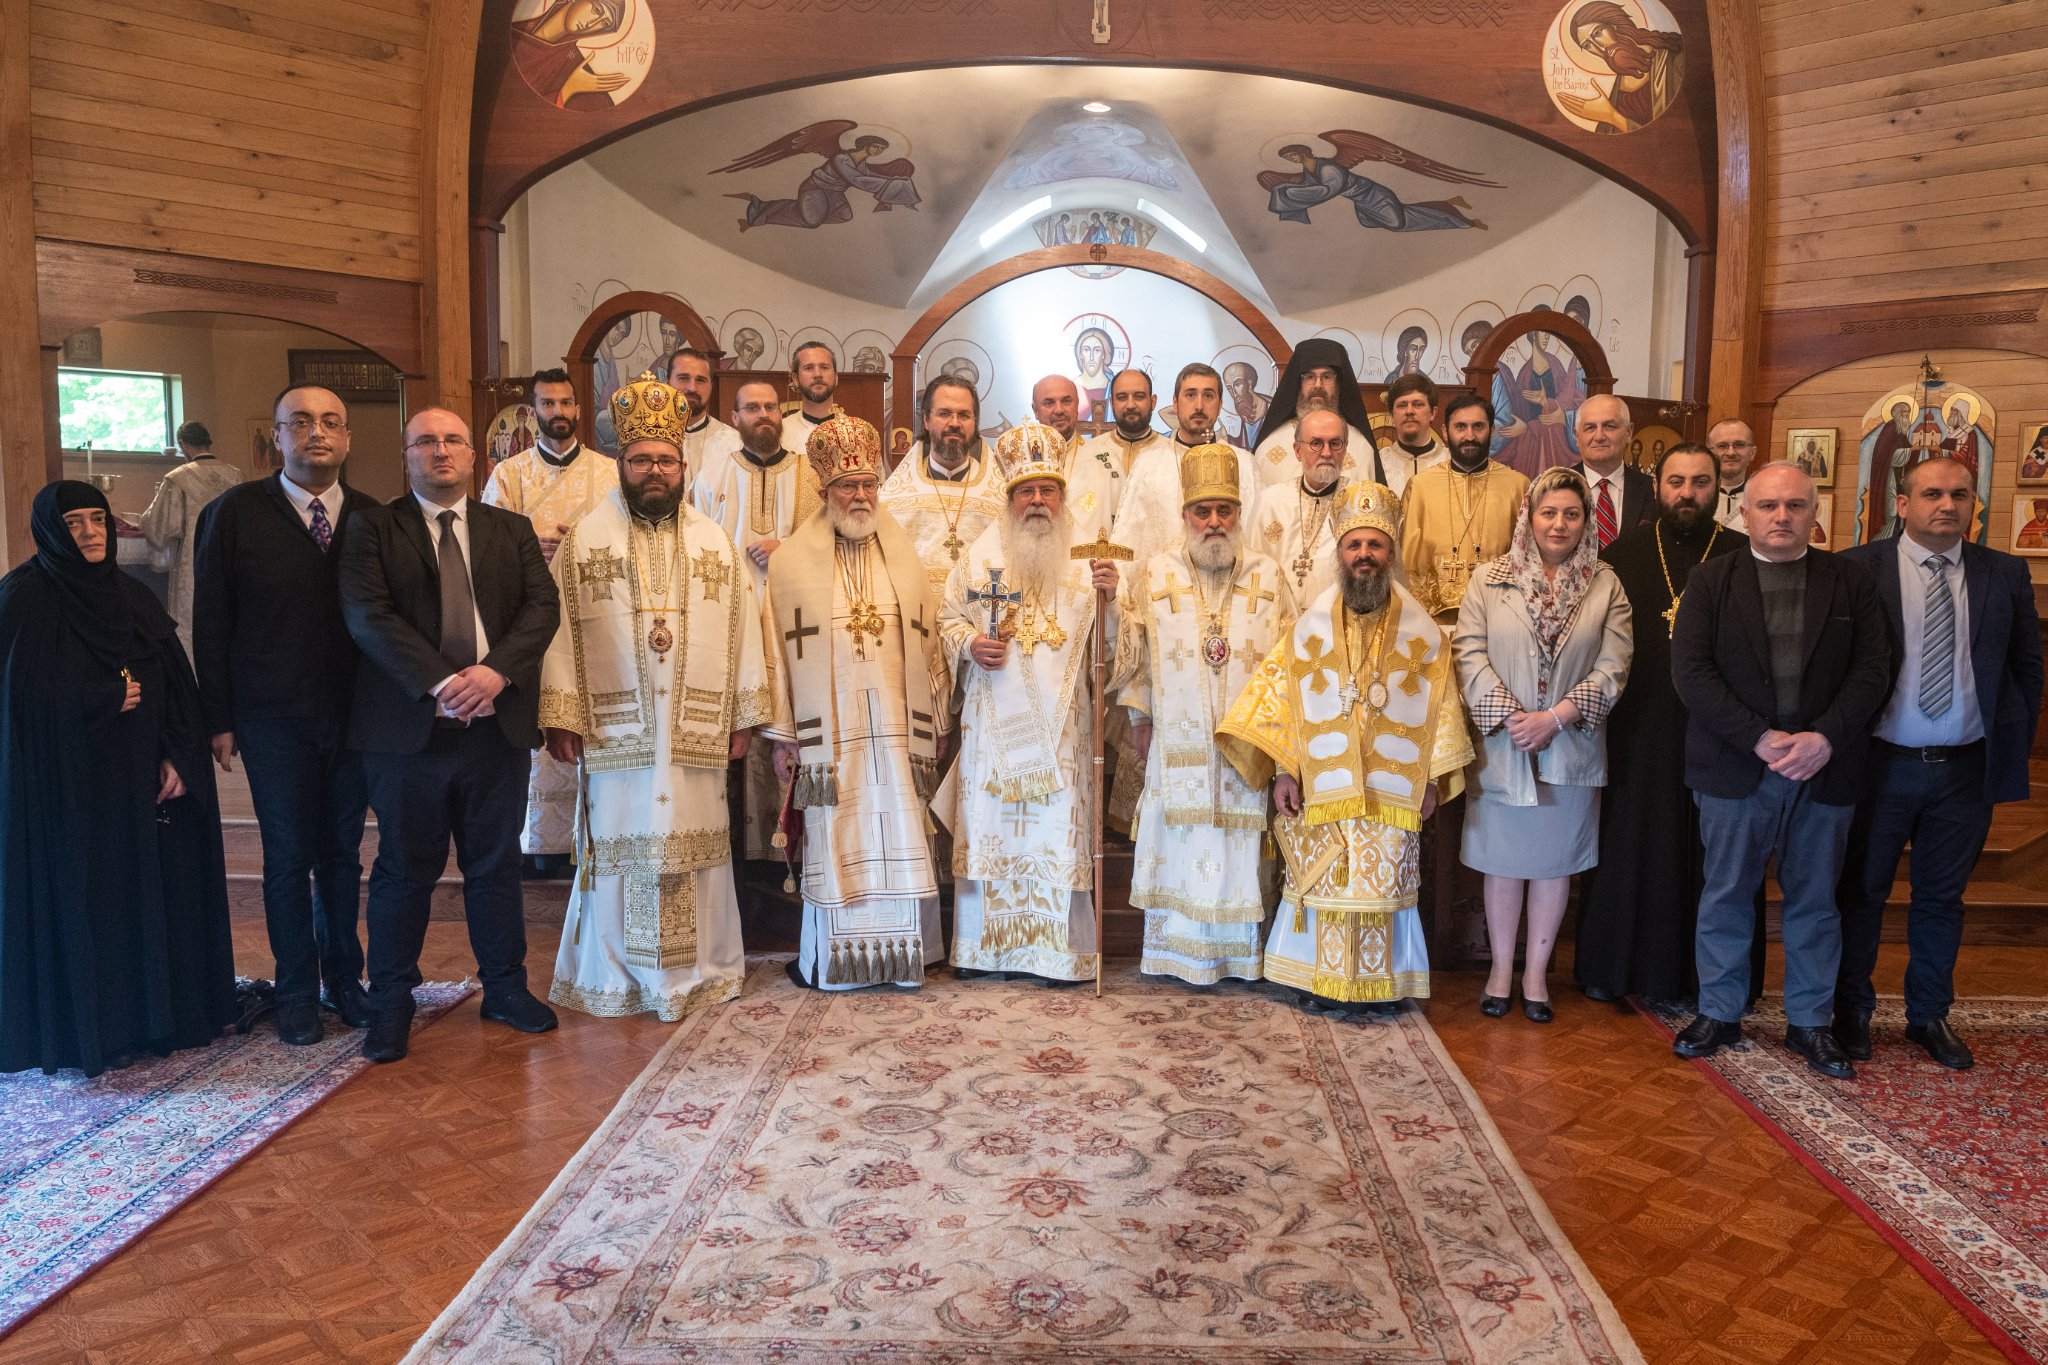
(1092, 484)
(1623, 498)
(1734, 447)
(1781, 659)
(1056, 403)
(452, 605)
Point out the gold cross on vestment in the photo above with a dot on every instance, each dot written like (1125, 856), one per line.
(1253, 594)
(597, 570)
(1179, 654)
(1410, 665)
(1172, 593)
(710, 569)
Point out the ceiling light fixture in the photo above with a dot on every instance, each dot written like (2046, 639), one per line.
(1173, 225)
(1012, 221)
(1096, 107)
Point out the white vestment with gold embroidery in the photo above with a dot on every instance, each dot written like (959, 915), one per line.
(1148, 515)
(551, 496)
(1198, 873)
(1294, 529)
(706, 448)
(653, 924)
(1364, 713)
(940, 512)
(754, 503)
(1095, 482)
(1020, 802)
(1278, 464)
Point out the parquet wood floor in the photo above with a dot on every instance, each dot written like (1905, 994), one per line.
(342, 1238)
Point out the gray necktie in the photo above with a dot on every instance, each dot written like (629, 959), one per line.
(458, 608)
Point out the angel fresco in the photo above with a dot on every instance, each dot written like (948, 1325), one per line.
(1323, 178)
(822, 196)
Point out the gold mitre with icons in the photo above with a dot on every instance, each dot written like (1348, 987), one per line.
(842, 447)
(1366, 503)
(1208, 472)
(649, 410)
(1031, 451)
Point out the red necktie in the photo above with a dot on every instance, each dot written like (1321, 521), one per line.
(1603, 512)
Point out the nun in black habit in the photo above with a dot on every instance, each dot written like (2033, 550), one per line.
(114, 936)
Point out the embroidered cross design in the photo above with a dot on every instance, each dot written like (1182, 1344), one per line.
(797, 635)
(710, 570)
(920, 627)
(1179, 654)
(1172, 593)
(1409, 661)
(597, 571)
(1253, 594)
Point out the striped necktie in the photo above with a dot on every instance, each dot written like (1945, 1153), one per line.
(1937, 640)
(1603, 512)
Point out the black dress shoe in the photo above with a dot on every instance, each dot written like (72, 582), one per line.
(1852, 1031)
(520, 1009)
(1493, 1006)
(1705, 1036)
(1821, 1051)
(347, 1000)
(1600, 994)
(298, 1023)
(1536, 1011)
(1942, 1044)
(388, 1036)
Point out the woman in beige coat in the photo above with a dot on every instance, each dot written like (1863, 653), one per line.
(1543, 644)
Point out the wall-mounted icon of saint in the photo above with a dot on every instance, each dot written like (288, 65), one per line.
(583, 55)
(1613, 67)
(822, 197)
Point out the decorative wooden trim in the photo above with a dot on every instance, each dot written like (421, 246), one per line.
(1592, 358)
(28, 460)
(452, 30)
(1737, 267)
(83, 285)
(903, 398)
(581, 359)
(1799, 343)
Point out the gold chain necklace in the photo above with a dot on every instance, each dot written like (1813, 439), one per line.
(952, 543)
(1671, 612)
(1453, 574)
(1315, 517)
(653, 567)
(1375, 693)
(1215, 642)
(856, 575)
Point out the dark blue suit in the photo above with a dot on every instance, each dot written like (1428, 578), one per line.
(1939, 800)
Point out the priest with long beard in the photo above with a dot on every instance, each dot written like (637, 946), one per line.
(860, 714)
(1023, 819)
(1193, 624)
(1354, 719)
(654, 683)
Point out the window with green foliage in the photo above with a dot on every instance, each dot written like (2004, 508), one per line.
(117, 410)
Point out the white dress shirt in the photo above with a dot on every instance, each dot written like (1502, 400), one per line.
(1728, 507)
(329, 498)
(1612, 480)
(432, 512)
(1902, 721)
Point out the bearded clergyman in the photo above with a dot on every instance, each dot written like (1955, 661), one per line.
(1193, 625)
(552, 485)
(1019, 617)
(1318, 378)
(1354, 718)
(946, 491)
(654, 682)
(1131, 433)
(860, 712)
(1298, 523)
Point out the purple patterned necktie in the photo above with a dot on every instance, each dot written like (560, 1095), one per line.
(323, 530)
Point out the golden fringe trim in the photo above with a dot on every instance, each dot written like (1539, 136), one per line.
(1031, 786)
(1194, 817)
(1011, 932)
(875, 962)
(924, 775)
(817, 784)
(1331, 986)
(1363, 808)
(1201, 912)
(617, 1004)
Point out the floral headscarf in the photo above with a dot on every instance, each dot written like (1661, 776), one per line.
(1553, 600)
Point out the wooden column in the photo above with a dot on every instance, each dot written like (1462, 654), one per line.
(453, 26)
(26, 458)
(1737, 267)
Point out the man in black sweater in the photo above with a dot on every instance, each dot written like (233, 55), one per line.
(276, 671)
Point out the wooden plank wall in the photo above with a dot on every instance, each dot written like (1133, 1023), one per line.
(2016, 386)
(286, 132)
(1907, 141)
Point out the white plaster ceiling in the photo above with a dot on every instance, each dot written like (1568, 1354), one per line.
(985, 142)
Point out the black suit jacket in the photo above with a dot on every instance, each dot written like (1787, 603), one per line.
(267, 634)
(391, 599)
(1638, 497)
(2005, 651)
(1721, 666)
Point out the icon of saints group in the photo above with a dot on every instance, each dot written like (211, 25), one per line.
(916, 708)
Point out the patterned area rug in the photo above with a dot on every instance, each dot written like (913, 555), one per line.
(1014, 1173)
(87, 1166)
(1951, 1167)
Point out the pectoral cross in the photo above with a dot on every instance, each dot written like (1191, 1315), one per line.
(1253, 595)
(1671, 616)
(1348, 696)
(797, 635)
(996, 596)
(953, 545)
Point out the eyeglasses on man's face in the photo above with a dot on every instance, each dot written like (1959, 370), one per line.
(328, 422)
(423, 444)
(643, 464)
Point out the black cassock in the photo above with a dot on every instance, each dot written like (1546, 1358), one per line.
(1639, 907)
(114, 938)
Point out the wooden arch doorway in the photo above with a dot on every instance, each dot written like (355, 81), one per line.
(581, 361)
(903, 358)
